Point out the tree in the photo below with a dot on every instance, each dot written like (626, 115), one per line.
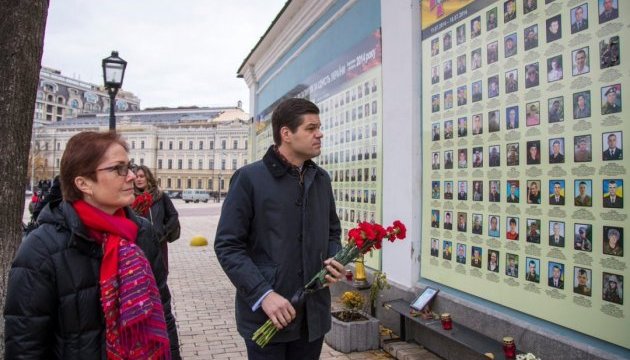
(22, 26)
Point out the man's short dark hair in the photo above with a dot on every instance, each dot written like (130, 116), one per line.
(289, 113)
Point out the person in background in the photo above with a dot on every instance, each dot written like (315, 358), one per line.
(152, 204)
(70, 275)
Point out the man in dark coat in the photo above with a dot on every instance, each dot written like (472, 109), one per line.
(278, 228)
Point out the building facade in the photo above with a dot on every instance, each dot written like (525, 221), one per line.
(61, 97)
(196, 148)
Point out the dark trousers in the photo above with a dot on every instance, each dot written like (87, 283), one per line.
(299, 349)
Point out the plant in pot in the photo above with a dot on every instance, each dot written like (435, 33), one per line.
(353, 329)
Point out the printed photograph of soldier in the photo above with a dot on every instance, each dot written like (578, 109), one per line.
(448, 129)
(435, 74)
(435, 131)
(555, 274)
(533, 231)
(435, 189)
(583, 192)
(511, 81)
(435, 47)
(533, 269)
(554, 28)
(582, 151)
(460, 33)
(494, 156)
(447, 250)
(555, 69)
(530, 36)
(509, 11)
(494, 123)
(494, 227)
(492, 52)
(582, 281)
(462, 190)
(556, 233)
(556, 151)
(448, 190)
(475, 27)
(608, 10)
(435, 218)
(532, 118)
(447, 41)
(533, 152)
(529, 6)
(475, 59)
(462, 221)
(448, 100)
(532, 77)
(582, 104)
(491, 19)
(556, 192)
(495, 191)
(512, 191)
(462, 158)
(435, 103)
(477, 124)
(511, 231)
(477, 227)
(533, 192)
(477, 190)
(613, 193)
(461, 254)
(511, 265)
(462, 127)
(447, 67)
(477, 157)
(609, 53)
(435, 247)
(612, 288)
(476, 256)
(510, 47)
(477, 94)
(493, 261)
(583, 237)
(579, 18)
(448, 159)
(580, 61)
(461, 64)
(512, 154)
(611, 99)
(448, 220)
(462, 95)
(613, 240)
(555, 108)
(511, 116)
(612, 144)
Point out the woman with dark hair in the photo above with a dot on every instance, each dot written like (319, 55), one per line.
(89, 282)
(155, 206)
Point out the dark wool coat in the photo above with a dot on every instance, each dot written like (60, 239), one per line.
(277, 227)
(53, 308)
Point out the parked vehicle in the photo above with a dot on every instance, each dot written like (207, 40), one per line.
(195, 195)
(173, 194)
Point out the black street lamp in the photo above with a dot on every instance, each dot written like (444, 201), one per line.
(113, 74)
(219, 187)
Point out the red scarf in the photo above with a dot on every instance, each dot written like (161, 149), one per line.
(134, 318)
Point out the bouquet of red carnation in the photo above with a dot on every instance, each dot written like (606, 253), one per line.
(365, 237)
(142, 204)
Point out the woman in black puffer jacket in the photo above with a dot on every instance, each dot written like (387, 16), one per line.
(89, 282)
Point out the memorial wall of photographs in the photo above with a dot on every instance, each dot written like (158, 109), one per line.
(523, 137)
(348, 94)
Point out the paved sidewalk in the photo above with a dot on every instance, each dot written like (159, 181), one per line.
(203, 297)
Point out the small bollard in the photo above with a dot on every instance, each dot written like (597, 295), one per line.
(198, 240)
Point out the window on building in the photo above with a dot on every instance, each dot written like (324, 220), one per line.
(160, 182)
(200, 164)
(201, 145)
(223, 144)
(159, 163)
(179, 183)
(49, 117)
(245, 144)
(170, 145)
(168, 183)
(199, 184)
(181, 145)
(132, 160)
(211, 164)
(59, 111)
(223, 164)
(58, 162)
(189, 183)
(142, 144)
(49, 108)
(60, 100)
(46, 146)
(58, 146)
(58, 118)
(235, 145)
(190, 145)
(133, 144)
(210, 184)
(141, 161)
(244, 162)
(211, 145)
(189, 164)
(234, 164)
(170, 163)
(180, 163)
(161, 145)
(221, 182)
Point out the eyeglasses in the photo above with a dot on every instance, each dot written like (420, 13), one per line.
(121, 169)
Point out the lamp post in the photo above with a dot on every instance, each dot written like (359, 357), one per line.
(113, 74)
(219, 187)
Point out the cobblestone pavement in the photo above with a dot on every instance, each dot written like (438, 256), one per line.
(203, 297)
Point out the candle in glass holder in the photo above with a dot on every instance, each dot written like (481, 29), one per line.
(349, 275)
(509, 348)
(447, 322)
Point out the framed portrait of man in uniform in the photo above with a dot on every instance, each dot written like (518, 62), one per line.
(582, 281)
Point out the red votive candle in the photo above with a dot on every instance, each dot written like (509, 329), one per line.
(509, 348)
(349, 275)
(447, 322)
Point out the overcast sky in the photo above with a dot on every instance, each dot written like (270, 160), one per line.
(179, 53)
